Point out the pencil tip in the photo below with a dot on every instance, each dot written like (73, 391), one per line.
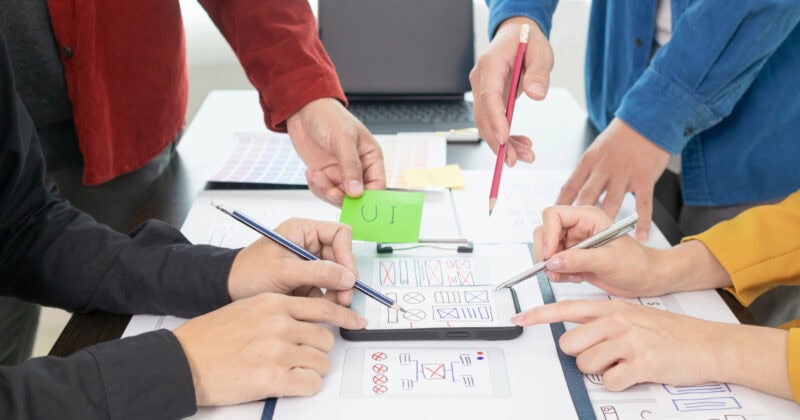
(490, 212)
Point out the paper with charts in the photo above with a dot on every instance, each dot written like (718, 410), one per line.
(435, 291)
(270, 158)
(389, 372)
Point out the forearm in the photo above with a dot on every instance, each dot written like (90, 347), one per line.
(278, 44)
(689, 266)
(756, 357)
(146, 376)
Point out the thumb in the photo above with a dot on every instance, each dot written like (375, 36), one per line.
(350, 164)
(322, 274)
(538, 65)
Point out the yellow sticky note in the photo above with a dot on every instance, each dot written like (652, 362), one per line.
(447, 176)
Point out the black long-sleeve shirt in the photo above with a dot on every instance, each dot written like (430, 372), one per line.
(55, 255)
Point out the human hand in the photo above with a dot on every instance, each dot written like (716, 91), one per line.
(621, 267)
(630, 344)
(266, 266)
(267, 345)
(619, 160)
(341, 154)
(491, 77)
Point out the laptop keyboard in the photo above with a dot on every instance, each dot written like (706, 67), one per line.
(413, 112)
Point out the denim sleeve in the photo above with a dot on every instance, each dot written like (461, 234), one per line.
(717, 50)
(541, 11)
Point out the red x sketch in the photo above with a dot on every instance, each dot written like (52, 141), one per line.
(380, 368)
(379, 389)
(387, 273)
(433, 371)
(380, 379)
(379, 355)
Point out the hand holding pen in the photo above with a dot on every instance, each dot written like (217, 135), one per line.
(556, 231)
(298, 250)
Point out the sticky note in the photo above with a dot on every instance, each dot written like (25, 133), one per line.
(447, 176)
(384, 216)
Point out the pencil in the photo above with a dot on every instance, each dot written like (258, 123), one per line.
(299, 251)
(512, 98)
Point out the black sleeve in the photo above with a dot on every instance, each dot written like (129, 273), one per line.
(56, 255)
(142, 377)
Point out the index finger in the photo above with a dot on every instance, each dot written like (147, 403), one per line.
(489, 107)
(322, 310)
(372, 162)
(576, 311)
(578, 222)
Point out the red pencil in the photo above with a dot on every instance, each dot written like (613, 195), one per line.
(512, 98)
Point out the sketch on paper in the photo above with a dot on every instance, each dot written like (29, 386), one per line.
(415, 372)
(440, 308)
(451, 271)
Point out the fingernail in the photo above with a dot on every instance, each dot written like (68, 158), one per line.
(347, 281)
(354, 188)
(573, 278)
(550, 275)
(362, 321)
(642, 235)
(517, 319)
(544, 252)
(555, 264)
(500, 139)
(537, 89)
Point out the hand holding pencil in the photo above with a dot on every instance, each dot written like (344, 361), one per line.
(492, 75)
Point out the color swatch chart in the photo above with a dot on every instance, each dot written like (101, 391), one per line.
(270, 158)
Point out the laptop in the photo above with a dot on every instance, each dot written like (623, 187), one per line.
(404, 64)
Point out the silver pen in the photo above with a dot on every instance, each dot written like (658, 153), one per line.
(603, 237)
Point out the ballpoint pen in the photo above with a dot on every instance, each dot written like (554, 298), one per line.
(512, 98)
(299, 251)
(603, 237)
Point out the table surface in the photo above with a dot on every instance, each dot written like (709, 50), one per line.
(562, 133)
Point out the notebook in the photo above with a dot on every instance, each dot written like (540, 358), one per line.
(404, 64)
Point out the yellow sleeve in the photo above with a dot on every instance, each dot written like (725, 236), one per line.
(794, 362)
(760, 248)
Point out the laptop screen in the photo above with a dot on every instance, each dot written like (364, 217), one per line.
(394, 49)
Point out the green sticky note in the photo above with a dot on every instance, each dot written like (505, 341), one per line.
(384, 216)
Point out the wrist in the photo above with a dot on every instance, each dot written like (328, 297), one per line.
(690, 266)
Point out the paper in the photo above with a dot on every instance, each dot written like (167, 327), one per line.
(386, 371)
(535, 382)
(384, 216)
(270, 158)
(446, 177)
(436, 291)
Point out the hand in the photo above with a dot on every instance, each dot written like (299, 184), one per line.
(491, 77)
(263, 346)
(630, 344)
(341, 154)
(621, 267)
(265, 266)
(619, 160)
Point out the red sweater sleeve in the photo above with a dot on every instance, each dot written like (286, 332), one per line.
(278, 44)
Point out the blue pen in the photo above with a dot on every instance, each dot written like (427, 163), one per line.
(299, 251)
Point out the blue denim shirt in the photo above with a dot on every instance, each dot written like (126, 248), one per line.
(724, 91)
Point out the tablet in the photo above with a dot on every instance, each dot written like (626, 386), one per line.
(445, 298)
